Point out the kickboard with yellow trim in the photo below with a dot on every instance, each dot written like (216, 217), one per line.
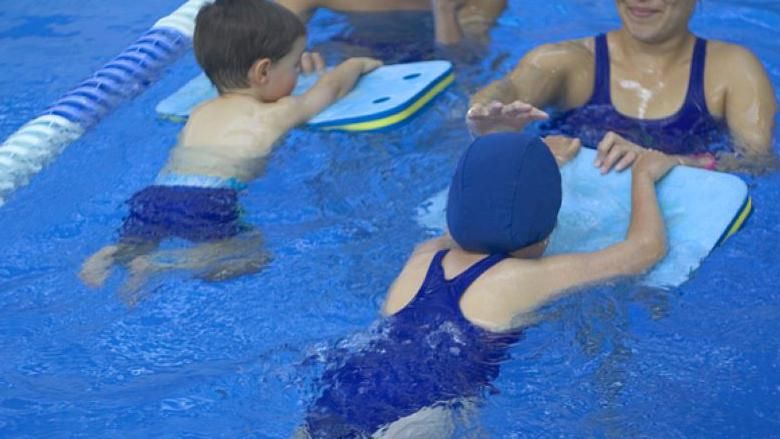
(381, 99)
(700, 208)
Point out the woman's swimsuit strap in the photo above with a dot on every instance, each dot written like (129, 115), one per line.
(695, 100)
(691, 130)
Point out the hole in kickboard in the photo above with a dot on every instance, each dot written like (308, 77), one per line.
(380, 100)
(412, 76)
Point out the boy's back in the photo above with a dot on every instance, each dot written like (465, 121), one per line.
(228, 137)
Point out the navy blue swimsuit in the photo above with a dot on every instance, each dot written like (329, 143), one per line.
(427, 353)
(175, 207)
(691, 130)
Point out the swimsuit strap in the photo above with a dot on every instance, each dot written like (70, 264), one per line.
(696, 96)
(435, 270)
(601, 84)
(462, 281)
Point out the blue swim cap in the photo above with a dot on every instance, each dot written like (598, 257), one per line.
(505, 194)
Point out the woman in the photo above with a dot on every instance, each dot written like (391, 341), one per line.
(650, 84)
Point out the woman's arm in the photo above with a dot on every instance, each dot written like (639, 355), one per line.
(445, 15)
(477, 17)
(538, 79)
(750, 105)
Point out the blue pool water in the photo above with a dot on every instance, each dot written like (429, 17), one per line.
(239, 359)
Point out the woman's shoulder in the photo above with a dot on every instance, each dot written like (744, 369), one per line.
(723, 52)
(562, 52)
(729, 62)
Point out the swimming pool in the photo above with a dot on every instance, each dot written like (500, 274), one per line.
(239, 359)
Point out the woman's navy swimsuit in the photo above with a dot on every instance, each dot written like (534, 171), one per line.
(692, 130)
(427, 353)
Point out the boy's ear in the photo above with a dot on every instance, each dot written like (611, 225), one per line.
(258, 73)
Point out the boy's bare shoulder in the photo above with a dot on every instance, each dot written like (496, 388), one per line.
(232, 121)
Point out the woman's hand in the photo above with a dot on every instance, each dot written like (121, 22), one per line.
(563, 148)
(615, 151)
(496, 116)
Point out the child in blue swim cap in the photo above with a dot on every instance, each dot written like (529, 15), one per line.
(460, 301)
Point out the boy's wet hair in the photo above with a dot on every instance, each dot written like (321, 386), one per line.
(230, 35)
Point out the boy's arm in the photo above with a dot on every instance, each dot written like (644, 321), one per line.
(331, 86)
(643, 247)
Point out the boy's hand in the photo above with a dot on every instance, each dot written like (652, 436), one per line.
(312, 62)
(654, 164)
(496, 116)
(563, 148)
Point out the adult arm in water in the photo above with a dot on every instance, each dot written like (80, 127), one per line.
(454, 18)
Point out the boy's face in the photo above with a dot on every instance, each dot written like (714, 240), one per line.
(283, 74)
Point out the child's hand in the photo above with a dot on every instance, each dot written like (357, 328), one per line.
(312, 62)
(563, 148)
(496, 116)
(654, 164)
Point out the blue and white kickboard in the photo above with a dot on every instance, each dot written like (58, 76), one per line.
(701, 209)
(385, 97)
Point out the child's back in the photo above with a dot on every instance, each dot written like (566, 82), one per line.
(458, 306)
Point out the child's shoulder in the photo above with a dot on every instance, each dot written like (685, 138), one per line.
(231, 113)
(236, 121)
(228, 106)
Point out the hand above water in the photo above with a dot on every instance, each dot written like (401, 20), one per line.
(615, 151)
(496, 116)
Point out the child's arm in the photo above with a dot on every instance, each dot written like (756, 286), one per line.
(643, 247)
(332, 86)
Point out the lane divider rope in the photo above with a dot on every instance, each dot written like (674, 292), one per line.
(38, 142)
